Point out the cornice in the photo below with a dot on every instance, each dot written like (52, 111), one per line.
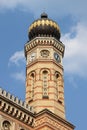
(44, 61)
(44, 41)
(52, 119)
(16, 108)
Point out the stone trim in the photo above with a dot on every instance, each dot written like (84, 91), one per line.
(46, 42)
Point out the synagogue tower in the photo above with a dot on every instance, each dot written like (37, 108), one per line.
(44, 107)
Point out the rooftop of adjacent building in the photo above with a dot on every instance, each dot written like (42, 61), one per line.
(15, 100)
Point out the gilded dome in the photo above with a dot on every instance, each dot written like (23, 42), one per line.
(44, 27)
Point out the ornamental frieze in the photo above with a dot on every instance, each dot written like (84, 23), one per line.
(45, 41)
(50, 122)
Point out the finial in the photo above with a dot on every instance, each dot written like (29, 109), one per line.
(44, 15)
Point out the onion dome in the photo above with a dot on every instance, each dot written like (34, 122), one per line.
(44, 27)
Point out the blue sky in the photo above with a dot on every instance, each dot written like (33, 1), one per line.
(71, 16)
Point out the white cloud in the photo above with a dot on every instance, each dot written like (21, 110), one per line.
(55, 7)
(17, 58)
(75, 61)
(8, 4)
(19, 76)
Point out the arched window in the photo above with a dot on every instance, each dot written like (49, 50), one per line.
(32, 78)
(57, 84)
(45, 84)
(6, 125)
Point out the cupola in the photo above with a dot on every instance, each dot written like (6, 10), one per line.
(44, 27)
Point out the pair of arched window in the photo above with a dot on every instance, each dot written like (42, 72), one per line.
(44, 85)
(58, 84)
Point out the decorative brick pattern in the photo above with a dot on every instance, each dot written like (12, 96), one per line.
(54, 124)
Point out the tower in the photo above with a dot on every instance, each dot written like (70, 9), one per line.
(44, 70)
(44, 107)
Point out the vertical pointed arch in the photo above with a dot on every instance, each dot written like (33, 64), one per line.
(45, 77)
(45, 83)
(31, 85)
(58, 85)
